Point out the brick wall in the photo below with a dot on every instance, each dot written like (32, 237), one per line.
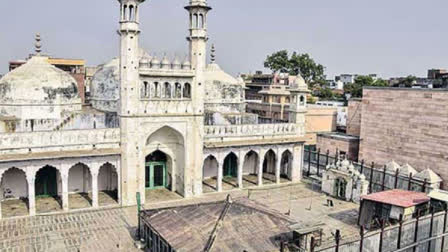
(354, 117)
(406, 125)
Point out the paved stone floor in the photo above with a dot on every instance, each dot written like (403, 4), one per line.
(113, 229)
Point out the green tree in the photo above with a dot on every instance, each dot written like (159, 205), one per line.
(303, 64)
(355, 89)
(409, 81)
(326, 94)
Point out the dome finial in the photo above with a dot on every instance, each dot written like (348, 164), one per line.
(38, 45)
(212, 55)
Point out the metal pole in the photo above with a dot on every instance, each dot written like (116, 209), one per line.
(410, 181)
(138, 215)
(400, 229)
(361, 242)
(318, 161)
(431, 226)
(362, 166)
(424, 185)
(337, 237)
(444, 229)
(312, 245)
(416, 232)
(309, 163)
(381, 236)
(327, 157)
(396, 179)
(384, 178)
(371, 177)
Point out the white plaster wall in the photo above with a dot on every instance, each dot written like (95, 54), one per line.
(210, 168)
(107, 178)
(14, 180)
(79, 179)
(250, 164)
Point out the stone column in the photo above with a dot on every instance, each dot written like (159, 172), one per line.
(95, 189)
(118, 170)
(65, 198)
(260, 168)
(220, 176)
(240, 171)
(297, 161)
(31, 194)
(1, 176)
(277, 167)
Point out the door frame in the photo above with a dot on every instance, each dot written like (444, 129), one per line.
(149, 167)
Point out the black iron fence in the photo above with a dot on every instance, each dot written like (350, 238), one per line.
(380, 179)
(427, 233)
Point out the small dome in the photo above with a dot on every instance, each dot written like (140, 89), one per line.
(430, 176)
(300, 82)
(345, 164)
(105, 87)
(38, 82)
(186, 65)
(145, 62)
(176, 64)
(166, 63)
(407, 169)
(155, 62)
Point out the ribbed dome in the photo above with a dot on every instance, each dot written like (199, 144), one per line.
(38, 82)
(166, 63)
(155, 62)
(106, 86)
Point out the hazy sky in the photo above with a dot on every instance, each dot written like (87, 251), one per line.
(387, 37)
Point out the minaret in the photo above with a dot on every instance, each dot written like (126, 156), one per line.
(298, 104)
(129, 32)
(129, 55)
(198, 37)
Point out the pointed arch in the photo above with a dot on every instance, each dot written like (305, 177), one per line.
(108, 182)
(251, 162)
(187, 91)
(167, 90)
(286, 164)
(14, 193)
(269, 162)
(230, 165)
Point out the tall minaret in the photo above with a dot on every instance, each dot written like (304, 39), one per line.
(129, 97)
(129, 55)
(198, 37)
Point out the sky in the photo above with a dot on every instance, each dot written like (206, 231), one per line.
(387, 37)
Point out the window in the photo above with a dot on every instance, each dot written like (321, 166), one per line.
(167, 90)
(302, 100)
(187, 91)
(131, 13)
(145, 90)
(178, 91)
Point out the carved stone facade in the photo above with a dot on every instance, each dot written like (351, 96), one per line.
(342, 180)
(167, 125)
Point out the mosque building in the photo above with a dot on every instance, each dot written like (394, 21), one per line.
(174, 124)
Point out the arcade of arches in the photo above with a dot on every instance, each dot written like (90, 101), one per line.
(228, 168)
(27, 188)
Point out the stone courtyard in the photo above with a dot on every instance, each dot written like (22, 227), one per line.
(113, 229)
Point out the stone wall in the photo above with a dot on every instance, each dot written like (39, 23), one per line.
(405, 125)
(354, 117)
(319, 119)
(333, 142)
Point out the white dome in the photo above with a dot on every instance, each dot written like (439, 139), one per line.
(106, 86)
(38, 82)
(300, 82)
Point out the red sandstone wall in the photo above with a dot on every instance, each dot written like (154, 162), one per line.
(354, 117)
(325, 143)
(406, 125)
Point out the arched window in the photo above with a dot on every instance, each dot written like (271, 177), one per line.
(131, 12)
(145, 91)
(287, 100)
(302, 100)
(125, 9)
(195, 21)
(201, 21)
(156, 90)
(178, 91)
(167, 90)
(187, 91)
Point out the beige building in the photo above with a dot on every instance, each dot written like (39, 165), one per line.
(154, 124)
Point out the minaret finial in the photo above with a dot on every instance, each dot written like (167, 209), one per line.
(213, 55)
(38, 45)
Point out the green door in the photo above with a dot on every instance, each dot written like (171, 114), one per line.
(46, 182)
(155, 175)
(230, 166)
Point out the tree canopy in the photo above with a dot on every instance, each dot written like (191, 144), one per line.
(295, 64)
(355, 89)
